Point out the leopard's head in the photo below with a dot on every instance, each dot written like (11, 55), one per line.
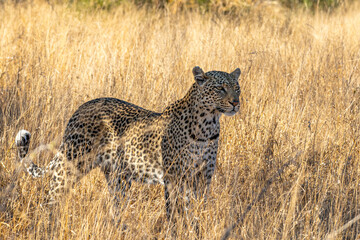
(220, 91)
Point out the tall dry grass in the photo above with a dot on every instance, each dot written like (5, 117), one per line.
(300, 96)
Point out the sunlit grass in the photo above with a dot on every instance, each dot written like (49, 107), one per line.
(300, 94)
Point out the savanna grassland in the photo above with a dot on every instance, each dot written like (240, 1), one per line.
(300, 102)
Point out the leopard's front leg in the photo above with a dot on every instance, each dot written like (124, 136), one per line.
(176, 205)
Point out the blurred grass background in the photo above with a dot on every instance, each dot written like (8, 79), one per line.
(225, 6)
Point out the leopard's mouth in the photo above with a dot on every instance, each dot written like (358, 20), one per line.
(232, 112)
(220, 110)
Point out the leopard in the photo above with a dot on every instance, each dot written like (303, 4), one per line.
(176, 148)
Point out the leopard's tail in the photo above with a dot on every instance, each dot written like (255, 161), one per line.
(22, 142)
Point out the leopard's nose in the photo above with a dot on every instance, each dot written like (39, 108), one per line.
(234, 103)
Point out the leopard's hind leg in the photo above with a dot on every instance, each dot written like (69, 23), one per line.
(118, 179)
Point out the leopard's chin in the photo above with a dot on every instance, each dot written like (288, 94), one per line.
(231, 113)
(228, 112)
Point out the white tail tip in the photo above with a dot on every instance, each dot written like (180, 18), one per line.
(22, 138)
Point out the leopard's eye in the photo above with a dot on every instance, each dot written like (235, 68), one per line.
(220, 88)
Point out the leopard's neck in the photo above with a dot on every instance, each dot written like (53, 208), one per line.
(198, 121)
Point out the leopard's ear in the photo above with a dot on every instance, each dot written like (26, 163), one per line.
(236, 74)
(199, 75)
